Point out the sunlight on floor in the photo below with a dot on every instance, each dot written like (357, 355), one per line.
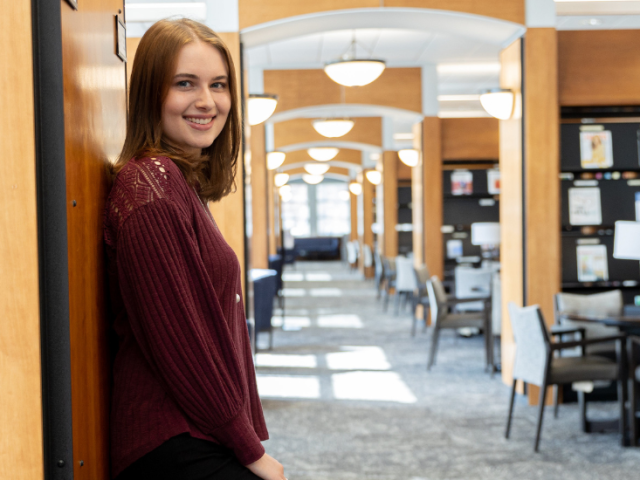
(318, 277)
(295, 361)
(291, 322)
(358, 358)
(292, 277)
(293, 292)
(287, 386)
(376, 386)
(325, 292)
(339, 321)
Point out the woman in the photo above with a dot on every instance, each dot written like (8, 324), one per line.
(185, 403)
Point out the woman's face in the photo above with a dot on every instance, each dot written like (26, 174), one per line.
(198, 102)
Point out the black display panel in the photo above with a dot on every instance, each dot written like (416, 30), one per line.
(619, 270)
(468, 210)
(624, 136)
(404, 196)
(617, 199)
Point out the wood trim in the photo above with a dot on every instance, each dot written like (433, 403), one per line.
(468, 166)
(255, 12)
(470, 139)
(511, 213)
(21, 453)
(354, 217)
(432, 195)
(390, 203)
(366, 234)
(598, 67)
(259, 235)
(271, 211)
(417, 212)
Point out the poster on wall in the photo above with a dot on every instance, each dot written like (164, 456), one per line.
(454, 248)
(493, 182)
(461, 182)
(596, 149)
(592, 263)
(584, 206)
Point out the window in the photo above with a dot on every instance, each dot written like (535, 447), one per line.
(295, 212)
(333, 209)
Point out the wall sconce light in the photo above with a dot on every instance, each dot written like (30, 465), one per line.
(498, 103)
(261, 106)
(275, 159)
(409, 156)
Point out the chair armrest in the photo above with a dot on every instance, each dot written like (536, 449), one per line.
(560, 330)
(454, 300)
(588, 341)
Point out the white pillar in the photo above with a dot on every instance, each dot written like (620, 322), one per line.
(429, 90)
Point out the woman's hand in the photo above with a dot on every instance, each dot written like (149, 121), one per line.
(267, 468)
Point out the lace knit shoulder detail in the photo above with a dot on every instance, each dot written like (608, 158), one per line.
(139, 183)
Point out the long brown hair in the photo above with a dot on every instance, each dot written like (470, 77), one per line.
(153, 69)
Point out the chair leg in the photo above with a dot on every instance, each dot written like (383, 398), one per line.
(543, 391)
(385, 303)
(556, 389)
(582, 405)
(623, 412)
(513, 396)
(434, 347)
(270, 339)
(397, 303)
(633, 422)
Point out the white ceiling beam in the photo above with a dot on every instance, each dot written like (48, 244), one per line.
(152, 12)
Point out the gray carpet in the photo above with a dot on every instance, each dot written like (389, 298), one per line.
(331, 419)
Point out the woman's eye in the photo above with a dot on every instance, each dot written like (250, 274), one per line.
(183, 83)
(219, 85)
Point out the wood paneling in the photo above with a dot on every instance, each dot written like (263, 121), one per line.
(254, 12)
(432, 195)
(132, 48)
(95, 118)
(598, 67)
(365, 130)
(390, 196)
(470, 138)
(259, 236)
(354, 217)
(396, 87)
(417, 212)
(403, 171)
(225, 211)
(20, 394)
(365, 234)
(511, 207)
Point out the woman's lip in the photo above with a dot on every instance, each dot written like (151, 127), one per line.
(197, 126)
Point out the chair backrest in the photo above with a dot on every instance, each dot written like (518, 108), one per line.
(421, 274)
(437, 298)
(352, 255)
(377, 262)
(473, 282)
(389, 267)
(276, 262)
(532, 343)
(367, 256)
(605, 303)
(405, 278)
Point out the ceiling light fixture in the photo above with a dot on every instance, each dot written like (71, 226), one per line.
(355, 188)
(284, 190)
(312, 179)
(498, 103)
(409, 156)
(344, 195)
(323, 154)
(353, 72)
(333, 127)
(374, 176)
(316, 168)
(281, 179)
(261, 107)
(275, 159)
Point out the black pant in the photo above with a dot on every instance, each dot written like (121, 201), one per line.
(186, 458)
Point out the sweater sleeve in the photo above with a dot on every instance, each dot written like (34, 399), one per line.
(177, 320)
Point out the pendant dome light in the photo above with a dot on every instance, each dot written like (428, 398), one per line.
(284, 190)
(355, 187)
(280, 179)
(333, 127)
(323, 154)
(409, 156)
(275, 159)
(261, 106)
(312, 179)
(498, 103)
(351, 71)
(316, 168)
(374, 176)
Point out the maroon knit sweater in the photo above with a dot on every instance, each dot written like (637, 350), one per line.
(184, 361)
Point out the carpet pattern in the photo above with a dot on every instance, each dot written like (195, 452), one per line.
(347, 396)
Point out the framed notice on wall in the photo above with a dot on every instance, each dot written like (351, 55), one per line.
(584, 206)
(592, 263)
(461, 182)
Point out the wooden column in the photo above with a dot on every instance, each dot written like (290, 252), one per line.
(531, 260)
(390, 202)
(20, 395)
(432, 195)
(227, 211)
(417, 212)
(365, 221)
(354, 216)
(271, 213)
(259, 199)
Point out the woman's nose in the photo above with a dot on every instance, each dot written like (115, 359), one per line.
(205, 100)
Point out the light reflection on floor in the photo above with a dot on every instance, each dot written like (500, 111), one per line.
(325, 292)
(380, 386)
(358, 358)
(292, 277)
(294, 361)
(318, 277)
(340, 321)
(289, 386)
(293, 292)
(291, 322)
